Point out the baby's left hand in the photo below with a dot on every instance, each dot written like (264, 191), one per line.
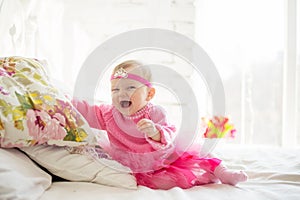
(147, 126)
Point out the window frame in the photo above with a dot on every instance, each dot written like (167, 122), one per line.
(289, 99)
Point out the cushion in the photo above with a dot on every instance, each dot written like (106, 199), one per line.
(20, 178)
(81, 166)
(33, 111)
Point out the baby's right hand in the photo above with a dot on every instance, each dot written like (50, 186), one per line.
(147, 126)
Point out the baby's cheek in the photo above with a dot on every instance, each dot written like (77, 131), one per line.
(114, 102)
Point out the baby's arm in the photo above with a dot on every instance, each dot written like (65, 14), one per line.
(92, 113)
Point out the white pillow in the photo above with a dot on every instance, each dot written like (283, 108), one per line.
(81, 167)
(20, 178)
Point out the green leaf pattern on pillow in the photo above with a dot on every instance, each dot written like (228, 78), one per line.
(32, 111)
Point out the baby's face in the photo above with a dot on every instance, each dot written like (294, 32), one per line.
(128, 96)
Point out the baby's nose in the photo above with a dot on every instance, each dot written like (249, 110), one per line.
(124, 93)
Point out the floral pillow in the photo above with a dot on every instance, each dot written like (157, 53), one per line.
(32, 111)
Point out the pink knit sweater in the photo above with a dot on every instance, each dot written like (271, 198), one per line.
(122, 131)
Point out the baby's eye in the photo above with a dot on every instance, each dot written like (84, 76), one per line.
(131, 88)
(115, 90)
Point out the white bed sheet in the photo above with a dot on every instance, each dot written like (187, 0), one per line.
(274, 173)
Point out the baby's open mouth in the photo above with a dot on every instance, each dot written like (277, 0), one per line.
(125, 104)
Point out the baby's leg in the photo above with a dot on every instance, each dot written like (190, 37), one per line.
(228, 176)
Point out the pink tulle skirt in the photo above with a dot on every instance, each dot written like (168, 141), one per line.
(185, 172)
(164, 170)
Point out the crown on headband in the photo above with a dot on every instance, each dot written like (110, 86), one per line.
(122, 73)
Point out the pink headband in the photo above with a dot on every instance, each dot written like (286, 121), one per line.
(122, 73)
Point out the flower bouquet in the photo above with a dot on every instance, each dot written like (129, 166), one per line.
(215, 128)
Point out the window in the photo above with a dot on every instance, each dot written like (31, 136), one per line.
(253, 44)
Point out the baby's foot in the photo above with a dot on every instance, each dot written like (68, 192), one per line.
(206, 178)
(230, 177)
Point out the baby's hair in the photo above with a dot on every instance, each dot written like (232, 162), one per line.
(145, 70)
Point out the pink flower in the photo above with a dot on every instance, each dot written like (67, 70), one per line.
(219, 122)
(8, 66)
(42, 127)
(3, 72)
(3, 91)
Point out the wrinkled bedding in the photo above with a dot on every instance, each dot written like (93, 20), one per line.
(274, 173)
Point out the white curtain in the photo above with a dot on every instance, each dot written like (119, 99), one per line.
(16, 27)
(33, 29)
(37, 29)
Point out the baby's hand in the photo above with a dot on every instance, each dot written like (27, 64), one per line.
(147, 126)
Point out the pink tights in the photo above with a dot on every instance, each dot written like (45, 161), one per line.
(227, 176)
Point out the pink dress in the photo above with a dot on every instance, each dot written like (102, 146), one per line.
(157, 165)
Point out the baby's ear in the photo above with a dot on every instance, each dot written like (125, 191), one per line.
(151, 94)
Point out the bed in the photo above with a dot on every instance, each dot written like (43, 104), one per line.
(31, 154)
(274, 173)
